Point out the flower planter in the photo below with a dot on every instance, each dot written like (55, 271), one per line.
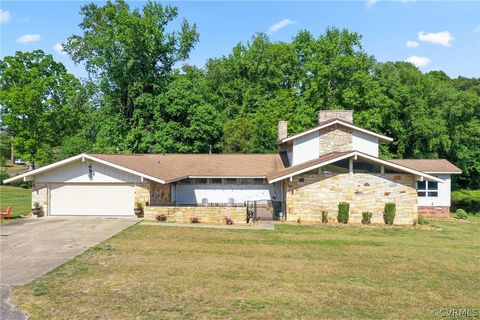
(138, 213)
(38, 212)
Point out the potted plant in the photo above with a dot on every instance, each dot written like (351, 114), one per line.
(37, 209)
(138, 209)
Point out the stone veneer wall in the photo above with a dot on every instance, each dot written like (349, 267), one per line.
(142, 192)
(434, 211)
(335, 138)
(40, 195)
(211, 215)
(364, 192)
(325, 115)
(159, 193)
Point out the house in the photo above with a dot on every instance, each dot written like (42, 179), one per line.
(312, 172)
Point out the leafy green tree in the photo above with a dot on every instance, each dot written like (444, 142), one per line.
(35, 99)
(132, 54)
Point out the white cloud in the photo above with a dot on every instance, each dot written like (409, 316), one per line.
(28, 38)
(5, 16)
(279, 25)
(477, 29)
(412, 44)
(59, 49)
(442, 38)
(418, 61)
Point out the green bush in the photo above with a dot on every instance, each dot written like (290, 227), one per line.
(324, 216)
(3, 176)
(461, 214)
(422, 220)
(389, 213)
(366, 217)
(343, 208)
(469, 200)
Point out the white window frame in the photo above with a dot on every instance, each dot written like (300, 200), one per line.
(427, 189)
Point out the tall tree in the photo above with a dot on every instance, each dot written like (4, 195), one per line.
(35, 104)
(132, 54)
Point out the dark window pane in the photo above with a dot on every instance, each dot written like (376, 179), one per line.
(244, 181)
(216, 180)
(421, 193)
(231, 181)
(433, 194)
(360, 166)
(258, 180)
(421, 185)
(199, 180)
(432, 185)
(336, 167)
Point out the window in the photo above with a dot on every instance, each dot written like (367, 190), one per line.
(216, 180)
(258, 181)
(245, 181)
(365, 167)
(199, 180)
(427, 189)
(336, 167)
(230, 181)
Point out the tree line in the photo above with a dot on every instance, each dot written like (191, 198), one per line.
(138, 100)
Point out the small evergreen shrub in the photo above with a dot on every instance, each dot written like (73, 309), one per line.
(389, 213)
(422, 220)
(343, 208)
(461, 214)
(324, 216)
(195, 220)
(161, 217)
(299, 220)
(366, 217)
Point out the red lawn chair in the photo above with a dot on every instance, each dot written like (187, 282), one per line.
(6, 213)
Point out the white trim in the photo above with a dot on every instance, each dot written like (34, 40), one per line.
(227, 177)
(443, 172)
(75, 158)
(361, 155)
(380, 136)
(321, 164)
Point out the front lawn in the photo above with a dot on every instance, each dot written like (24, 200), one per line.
(18, 198)
(302, 272)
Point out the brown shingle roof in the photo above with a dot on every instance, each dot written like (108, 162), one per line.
(428, 165)
(307, 164)
(171, 167)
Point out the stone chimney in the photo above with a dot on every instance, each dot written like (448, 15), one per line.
(282, 131)
(345, 115)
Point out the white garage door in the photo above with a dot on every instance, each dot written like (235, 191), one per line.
(91, 200)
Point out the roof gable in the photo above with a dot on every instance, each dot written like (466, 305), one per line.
(331, 122)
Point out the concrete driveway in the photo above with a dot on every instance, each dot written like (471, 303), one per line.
(34, 246)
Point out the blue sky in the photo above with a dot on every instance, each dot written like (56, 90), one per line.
(440, 35)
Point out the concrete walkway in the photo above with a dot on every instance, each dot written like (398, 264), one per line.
(33, 246)
(7, 310)
(266, 225)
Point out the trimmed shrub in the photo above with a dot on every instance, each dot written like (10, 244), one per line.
(195, 220)
(389, 213)
(343, 208)
(366, 217)
(161, 217)
(461, 214)
(422, 220)
(325, 216)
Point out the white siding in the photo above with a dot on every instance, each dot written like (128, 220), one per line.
(444, 194)
(305, 148)
(365, 143)
(220, 193)
(77, 172)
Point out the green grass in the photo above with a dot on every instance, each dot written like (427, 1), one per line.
(18, 198)
(302, 272)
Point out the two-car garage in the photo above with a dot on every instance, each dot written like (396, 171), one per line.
(87, 199)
